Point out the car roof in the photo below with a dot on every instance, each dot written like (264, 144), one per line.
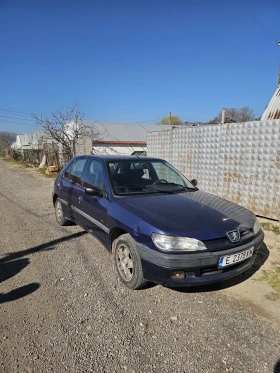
(120, 157)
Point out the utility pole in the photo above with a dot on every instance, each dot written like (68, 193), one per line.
(170, 118)
(223, 115)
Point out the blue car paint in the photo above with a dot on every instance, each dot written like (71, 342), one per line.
(195, 214)
(180, 215)
(95, 207)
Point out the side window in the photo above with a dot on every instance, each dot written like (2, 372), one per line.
(93, 176)
(68, 171)
(74, 172)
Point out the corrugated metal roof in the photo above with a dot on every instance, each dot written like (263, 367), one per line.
(273, 108)
(122, 132)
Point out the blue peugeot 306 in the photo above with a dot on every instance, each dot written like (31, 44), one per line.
(158, 225)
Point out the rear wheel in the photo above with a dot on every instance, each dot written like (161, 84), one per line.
(128, 262)
(60, 218)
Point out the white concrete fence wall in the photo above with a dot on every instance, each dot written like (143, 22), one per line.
(237, 161)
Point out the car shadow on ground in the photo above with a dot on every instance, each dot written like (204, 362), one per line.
(13, 263)
(277, 367)
(12, 268)
(19, 292)
(43, 247)
(263, 255)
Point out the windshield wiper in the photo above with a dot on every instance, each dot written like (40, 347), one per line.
(130, 187)
(146, 188)
(177, 185)
(183, 186)
(157, 188)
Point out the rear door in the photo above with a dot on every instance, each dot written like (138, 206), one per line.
(93, 209)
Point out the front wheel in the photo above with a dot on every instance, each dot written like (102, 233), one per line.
(128, 262)
(60, 218)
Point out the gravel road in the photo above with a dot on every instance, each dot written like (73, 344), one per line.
(63, 309)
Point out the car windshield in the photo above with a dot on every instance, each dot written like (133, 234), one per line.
(146, 177)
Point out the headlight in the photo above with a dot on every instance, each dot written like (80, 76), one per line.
(257, 227)
(169, 243)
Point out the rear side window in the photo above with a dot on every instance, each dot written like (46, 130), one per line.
(74, 172)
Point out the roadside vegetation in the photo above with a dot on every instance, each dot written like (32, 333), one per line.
(173, 120)
(24, 164)
(271, 227)
(43, 171)
(272, 277)
(6, 139)
(234, 115)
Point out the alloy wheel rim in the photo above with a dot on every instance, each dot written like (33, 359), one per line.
(125, 262)
(59, 211)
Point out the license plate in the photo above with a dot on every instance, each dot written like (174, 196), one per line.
(235, 258)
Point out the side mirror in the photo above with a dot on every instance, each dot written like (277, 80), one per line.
(92, 192)
(194, 182)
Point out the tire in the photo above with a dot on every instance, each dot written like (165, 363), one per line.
(128, 263)
(60, 218)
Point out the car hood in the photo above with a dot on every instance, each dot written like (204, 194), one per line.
(196, 214)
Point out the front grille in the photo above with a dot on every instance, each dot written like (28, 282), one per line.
(224, 243)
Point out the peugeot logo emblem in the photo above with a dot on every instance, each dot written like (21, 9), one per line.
(234, 236)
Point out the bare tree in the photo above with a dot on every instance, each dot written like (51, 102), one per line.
(66, 127)
(245, 114)
(6, 139)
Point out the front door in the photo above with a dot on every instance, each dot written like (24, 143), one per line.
(94, 208)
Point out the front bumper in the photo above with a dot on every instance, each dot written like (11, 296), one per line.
(199, 268)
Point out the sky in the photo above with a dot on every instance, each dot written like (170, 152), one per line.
(135, 61)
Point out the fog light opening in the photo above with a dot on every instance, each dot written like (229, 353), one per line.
(177, 275)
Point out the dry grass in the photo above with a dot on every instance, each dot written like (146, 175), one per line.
(20, 163)
(271, 227)
(23, 164)
(272, 277)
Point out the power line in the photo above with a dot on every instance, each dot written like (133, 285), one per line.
(147, 121)
(23, 124)
(258, 22)
(15, 111)
(4, 116)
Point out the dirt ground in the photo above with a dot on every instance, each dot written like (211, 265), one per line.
(63, 310)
